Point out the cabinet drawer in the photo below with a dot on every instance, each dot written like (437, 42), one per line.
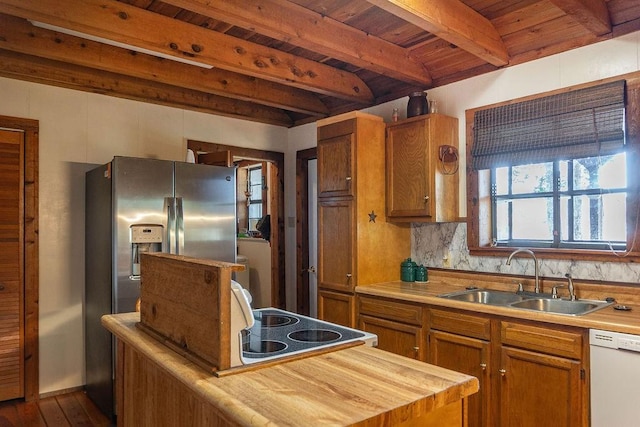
(391, 310)
(547, 340)
(459, 323)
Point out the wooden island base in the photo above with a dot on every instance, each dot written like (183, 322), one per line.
(360, 386)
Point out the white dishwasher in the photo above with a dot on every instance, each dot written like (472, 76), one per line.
(615, 379)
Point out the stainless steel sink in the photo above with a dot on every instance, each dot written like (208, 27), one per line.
(485, 296)
(559, 306)
(527, 302)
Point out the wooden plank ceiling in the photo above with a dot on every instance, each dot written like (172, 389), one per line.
(288, 62)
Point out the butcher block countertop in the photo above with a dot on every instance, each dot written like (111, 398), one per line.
(359, 385)
(427, 293)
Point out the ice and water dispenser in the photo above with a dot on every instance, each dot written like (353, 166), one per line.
(145, 238)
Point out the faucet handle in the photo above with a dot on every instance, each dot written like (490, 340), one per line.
(554, 291)
(520, 288)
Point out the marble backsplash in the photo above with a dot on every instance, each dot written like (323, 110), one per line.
(445, 246)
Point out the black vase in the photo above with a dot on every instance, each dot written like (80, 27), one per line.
(417, 105)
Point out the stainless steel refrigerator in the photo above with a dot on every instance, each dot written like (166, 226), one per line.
(145, 205)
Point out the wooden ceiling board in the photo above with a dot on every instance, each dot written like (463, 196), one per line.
(622, 11)
(526, 17)
(555, 31)
(492, 9)
(528, 29)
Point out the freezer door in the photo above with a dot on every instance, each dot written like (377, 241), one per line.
(205, 202)
(141, 189)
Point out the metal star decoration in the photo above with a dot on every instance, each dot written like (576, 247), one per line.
(372, 217)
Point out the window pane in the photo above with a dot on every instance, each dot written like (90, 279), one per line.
(533, 219)
(535, 178)
(600, 217)
(502, 181)
(255, 210)
(600, 172)
(502, 220)
(255, 175)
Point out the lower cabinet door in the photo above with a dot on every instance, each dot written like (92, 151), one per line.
(336, 307)
(540, 390)
(398, 338)
(469, 356)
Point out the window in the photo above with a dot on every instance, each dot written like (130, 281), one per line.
(578, 203)
(254, 195)
(556, 173)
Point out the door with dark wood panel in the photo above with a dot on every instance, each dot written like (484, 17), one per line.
(11, 265)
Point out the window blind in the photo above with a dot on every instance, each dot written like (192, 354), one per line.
(581, 123)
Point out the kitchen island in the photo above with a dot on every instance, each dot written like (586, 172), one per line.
(359, 385)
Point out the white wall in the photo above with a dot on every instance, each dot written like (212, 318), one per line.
(77, 131)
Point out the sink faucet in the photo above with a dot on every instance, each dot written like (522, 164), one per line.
(535, 265)
(572, 292)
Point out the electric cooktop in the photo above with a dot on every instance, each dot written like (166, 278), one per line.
(277, 333)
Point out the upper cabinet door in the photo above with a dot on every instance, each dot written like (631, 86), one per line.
(336, 166)
(408, 174)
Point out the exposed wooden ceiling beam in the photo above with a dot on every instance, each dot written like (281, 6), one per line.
(453, 21)
(19, 35)
(592, 14)
(291, 23)
(22, 67)
(123, 23)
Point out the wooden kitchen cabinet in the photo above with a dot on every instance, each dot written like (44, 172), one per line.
(399, 326)
(460, 342)
(353, 234)
(530, 375)
(422, 173)
(336, 307)
(543, 377)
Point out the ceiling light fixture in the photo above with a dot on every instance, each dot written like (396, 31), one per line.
(118, 44)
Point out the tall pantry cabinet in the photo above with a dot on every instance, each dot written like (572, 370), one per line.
(356, 245)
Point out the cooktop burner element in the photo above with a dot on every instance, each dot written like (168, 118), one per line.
(315, 335)
(277, 333)
(267, 320)
(262, 347)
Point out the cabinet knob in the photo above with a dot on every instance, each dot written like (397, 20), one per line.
(426, 198)
(483, 366)
(502, 372)
(348, 275)
(1, 287)
(348, 178)
(416, 349)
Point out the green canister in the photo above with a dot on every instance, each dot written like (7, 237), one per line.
(408, 270)
(422, 275)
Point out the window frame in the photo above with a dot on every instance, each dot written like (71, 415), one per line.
(479, 200)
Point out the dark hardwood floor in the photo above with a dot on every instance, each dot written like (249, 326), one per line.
(70, 409)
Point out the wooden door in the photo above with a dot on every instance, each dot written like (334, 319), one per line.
(469, 356)
(11, 265)
(408, 169)
(398, 338)
(539, 390)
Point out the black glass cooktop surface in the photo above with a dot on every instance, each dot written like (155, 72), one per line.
(278, 333)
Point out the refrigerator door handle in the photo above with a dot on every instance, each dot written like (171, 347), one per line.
(170, 202)
(179, 226)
